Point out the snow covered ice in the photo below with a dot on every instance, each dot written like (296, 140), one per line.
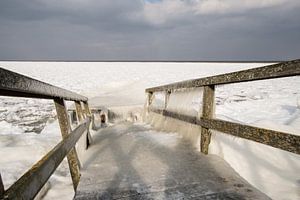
(273, 104)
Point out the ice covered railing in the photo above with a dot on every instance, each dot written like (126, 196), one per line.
(16, 85)
(99, 116)
(179, 101)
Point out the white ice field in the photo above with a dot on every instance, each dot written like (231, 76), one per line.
(273, 104)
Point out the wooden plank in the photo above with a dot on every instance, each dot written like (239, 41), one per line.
(17, 85)
(33, 180)
(65, 128)
(284, 141)
(1, 187)
(284, 69)
(208, 113)
(88, 114)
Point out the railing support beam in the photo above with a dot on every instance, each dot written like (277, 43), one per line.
(207, 113)
(88, 114)
(65, 128)
(79, 112)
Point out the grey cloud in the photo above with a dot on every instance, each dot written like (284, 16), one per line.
(85, 12)
(122, 29)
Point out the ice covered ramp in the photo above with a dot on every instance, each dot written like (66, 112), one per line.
(132, 161)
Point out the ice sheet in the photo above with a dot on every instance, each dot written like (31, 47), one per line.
(271, 104)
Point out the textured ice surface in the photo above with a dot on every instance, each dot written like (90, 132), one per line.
(137, 162)
(188, 102)
(19, 153)
(273, 104)
(28, 115)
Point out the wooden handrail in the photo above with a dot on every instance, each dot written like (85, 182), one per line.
(33, 180)
(284, 69)
(285, 141)
(280, 140)
(17, 85)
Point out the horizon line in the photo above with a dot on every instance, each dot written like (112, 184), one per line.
(166, 61)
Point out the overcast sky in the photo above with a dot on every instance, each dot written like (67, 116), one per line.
(150, 29)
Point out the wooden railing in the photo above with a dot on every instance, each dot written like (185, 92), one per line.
(285, 141)
(28, 186)
(96, 112)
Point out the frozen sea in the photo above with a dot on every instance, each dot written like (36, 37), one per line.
(29, 128)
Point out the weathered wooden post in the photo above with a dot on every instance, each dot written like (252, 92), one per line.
(167, 97)
(65, 129)
(79, 111)
(208, 109)
(88, 114)
(1, 187)
(87, 109)
(80, 117)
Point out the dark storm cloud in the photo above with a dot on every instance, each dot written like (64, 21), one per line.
(135, 30)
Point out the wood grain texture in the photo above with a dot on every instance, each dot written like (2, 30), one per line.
(208, 104)
(17, 85)
(79, 111)
(65, 129)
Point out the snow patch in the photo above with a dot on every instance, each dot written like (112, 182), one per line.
(271, 104)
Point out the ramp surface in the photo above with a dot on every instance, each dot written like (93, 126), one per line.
(133, 161)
